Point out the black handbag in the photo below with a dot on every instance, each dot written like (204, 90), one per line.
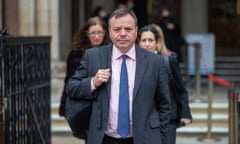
(78, 112)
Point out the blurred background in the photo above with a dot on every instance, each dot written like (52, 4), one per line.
(59, 19)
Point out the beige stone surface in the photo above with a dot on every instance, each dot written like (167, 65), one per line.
(181, 139)
(66, 140)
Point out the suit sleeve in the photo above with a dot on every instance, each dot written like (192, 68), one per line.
(79, 85)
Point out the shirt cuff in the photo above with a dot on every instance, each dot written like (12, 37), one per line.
(93, 88)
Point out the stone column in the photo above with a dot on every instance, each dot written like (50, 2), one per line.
(43, 17)
(194, 16)
(10, 16)
(81, 12)
(1, 14)
(65, 24)
(54, 28)
(27, 17)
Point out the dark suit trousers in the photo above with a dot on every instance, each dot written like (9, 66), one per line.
(111, 140)
(170, 136)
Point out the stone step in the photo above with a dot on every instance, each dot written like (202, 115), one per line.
(199, 110)
(58, 70)
(227, 59)
(204, 129)
(219, 119)
(227, 68)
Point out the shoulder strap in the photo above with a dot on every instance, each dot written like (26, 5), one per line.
(174, 83)
(167, 64)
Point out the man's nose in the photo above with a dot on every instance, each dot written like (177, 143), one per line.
(123, 32)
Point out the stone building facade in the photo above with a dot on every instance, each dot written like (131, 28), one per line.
(60, 18)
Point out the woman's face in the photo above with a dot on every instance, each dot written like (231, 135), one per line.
(95, 35)
(148, 41)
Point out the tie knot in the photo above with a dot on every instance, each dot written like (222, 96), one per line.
(124, 57)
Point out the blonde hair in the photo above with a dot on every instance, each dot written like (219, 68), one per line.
(161, 46)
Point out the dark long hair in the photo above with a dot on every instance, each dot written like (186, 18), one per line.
(80, 39)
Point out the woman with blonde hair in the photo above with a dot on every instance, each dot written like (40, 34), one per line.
(151, 37)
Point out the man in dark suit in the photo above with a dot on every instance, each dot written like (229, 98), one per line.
(98, 78)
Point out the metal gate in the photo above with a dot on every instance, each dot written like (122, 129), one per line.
(25, 103)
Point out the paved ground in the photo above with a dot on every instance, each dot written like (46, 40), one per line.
(66, 140)
(181, 139)
(201, 139)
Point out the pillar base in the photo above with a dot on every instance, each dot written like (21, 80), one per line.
(209, 138)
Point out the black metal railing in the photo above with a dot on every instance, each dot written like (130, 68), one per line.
(25, 116)
(234, 115)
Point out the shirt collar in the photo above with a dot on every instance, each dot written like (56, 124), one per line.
(116, 54)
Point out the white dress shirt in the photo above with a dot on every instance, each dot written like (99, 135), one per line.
(115, 81)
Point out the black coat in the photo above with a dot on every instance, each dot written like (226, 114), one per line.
(73, 61)
(179, 101)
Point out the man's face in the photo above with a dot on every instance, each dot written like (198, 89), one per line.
(123, 32)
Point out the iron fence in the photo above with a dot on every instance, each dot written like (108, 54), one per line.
(25, 103)
(234, 115)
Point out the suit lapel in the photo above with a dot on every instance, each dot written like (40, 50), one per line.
(105, 62)
(141, 65)
(105, 56)
(104, 94)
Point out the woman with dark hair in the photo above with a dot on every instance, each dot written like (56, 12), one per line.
(92, 33)
(151, 37)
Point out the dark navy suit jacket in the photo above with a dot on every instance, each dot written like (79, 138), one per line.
(151, 100)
